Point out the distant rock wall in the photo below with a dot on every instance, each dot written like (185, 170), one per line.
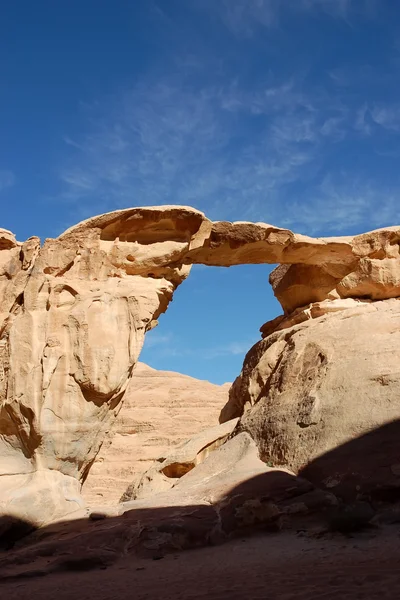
(161, 410)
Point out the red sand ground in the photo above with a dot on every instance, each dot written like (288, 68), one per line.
(281, 566)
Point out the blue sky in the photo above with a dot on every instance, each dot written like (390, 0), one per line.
(283, 111)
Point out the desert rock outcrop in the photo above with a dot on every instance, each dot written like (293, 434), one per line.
(161, 410)
(232, 492)
(74, 312)
(73, 318)
(166, 473)
(322, 398)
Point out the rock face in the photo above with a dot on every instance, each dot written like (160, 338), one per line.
(317, 398)
(74, 312)
(161, 410)
(371, 271)
(232, 493)
(73, 318)
(166, 473)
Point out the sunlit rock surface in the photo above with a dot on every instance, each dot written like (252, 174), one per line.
(74, 313)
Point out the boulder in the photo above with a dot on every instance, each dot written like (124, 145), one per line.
(7, 240)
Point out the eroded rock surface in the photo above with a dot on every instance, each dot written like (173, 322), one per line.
(322, 398)
(74, 312)
(161, 410)
(166, 473)
(73, 318)
(231, 493)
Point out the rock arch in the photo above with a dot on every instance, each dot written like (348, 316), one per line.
(74, 313)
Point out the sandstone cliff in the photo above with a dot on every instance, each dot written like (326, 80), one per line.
(74, 313)
(317, 398)
(161, 410)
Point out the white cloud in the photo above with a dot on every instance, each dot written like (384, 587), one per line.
(229, 349)
(7, 179)
(361, 124)
(288, 130)
(345, 204)
(240, 16)
(337, 8)
(147, 140)
(243, 17)
(237, 150)
(228, 150)
(262, 100)
(387, 116)
(167, 345)
(155, 339)
(334, 128)
(80, 181)
(344, 9)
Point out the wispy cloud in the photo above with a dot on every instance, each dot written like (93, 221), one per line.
(240, 16)
(345, 204)
(262, 149)
(334, 128)
(388, 116)
(343, 9)
(146, 141)
(7, 179)
(154, 339)
(212, 147)
(169, 345)
(230, 151)
(244, 17)
(229, 349)
(161, 344)
(361, 124)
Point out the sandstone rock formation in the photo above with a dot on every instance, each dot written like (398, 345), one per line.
(161, 410)
(73, 318)
(75, 311)
(232, 492)
(317, 397)
(166, 473)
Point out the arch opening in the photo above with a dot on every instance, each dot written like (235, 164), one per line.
(212, 322)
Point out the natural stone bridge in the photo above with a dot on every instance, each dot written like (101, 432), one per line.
(74, 313)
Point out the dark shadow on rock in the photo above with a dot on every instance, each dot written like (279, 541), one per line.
(269, 502)
(12, 530)
(364, 468)
(343, 490)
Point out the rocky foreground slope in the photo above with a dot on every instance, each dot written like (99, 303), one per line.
(317, 401)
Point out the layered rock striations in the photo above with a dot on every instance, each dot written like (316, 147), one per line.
(74, 312)
(161, 410)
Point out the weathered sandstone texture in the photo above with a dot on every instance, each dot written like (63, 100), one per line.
(322, 398)
(165, 473)
(231, 493)
(74, 312)
(161, 410)
(73, 318)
